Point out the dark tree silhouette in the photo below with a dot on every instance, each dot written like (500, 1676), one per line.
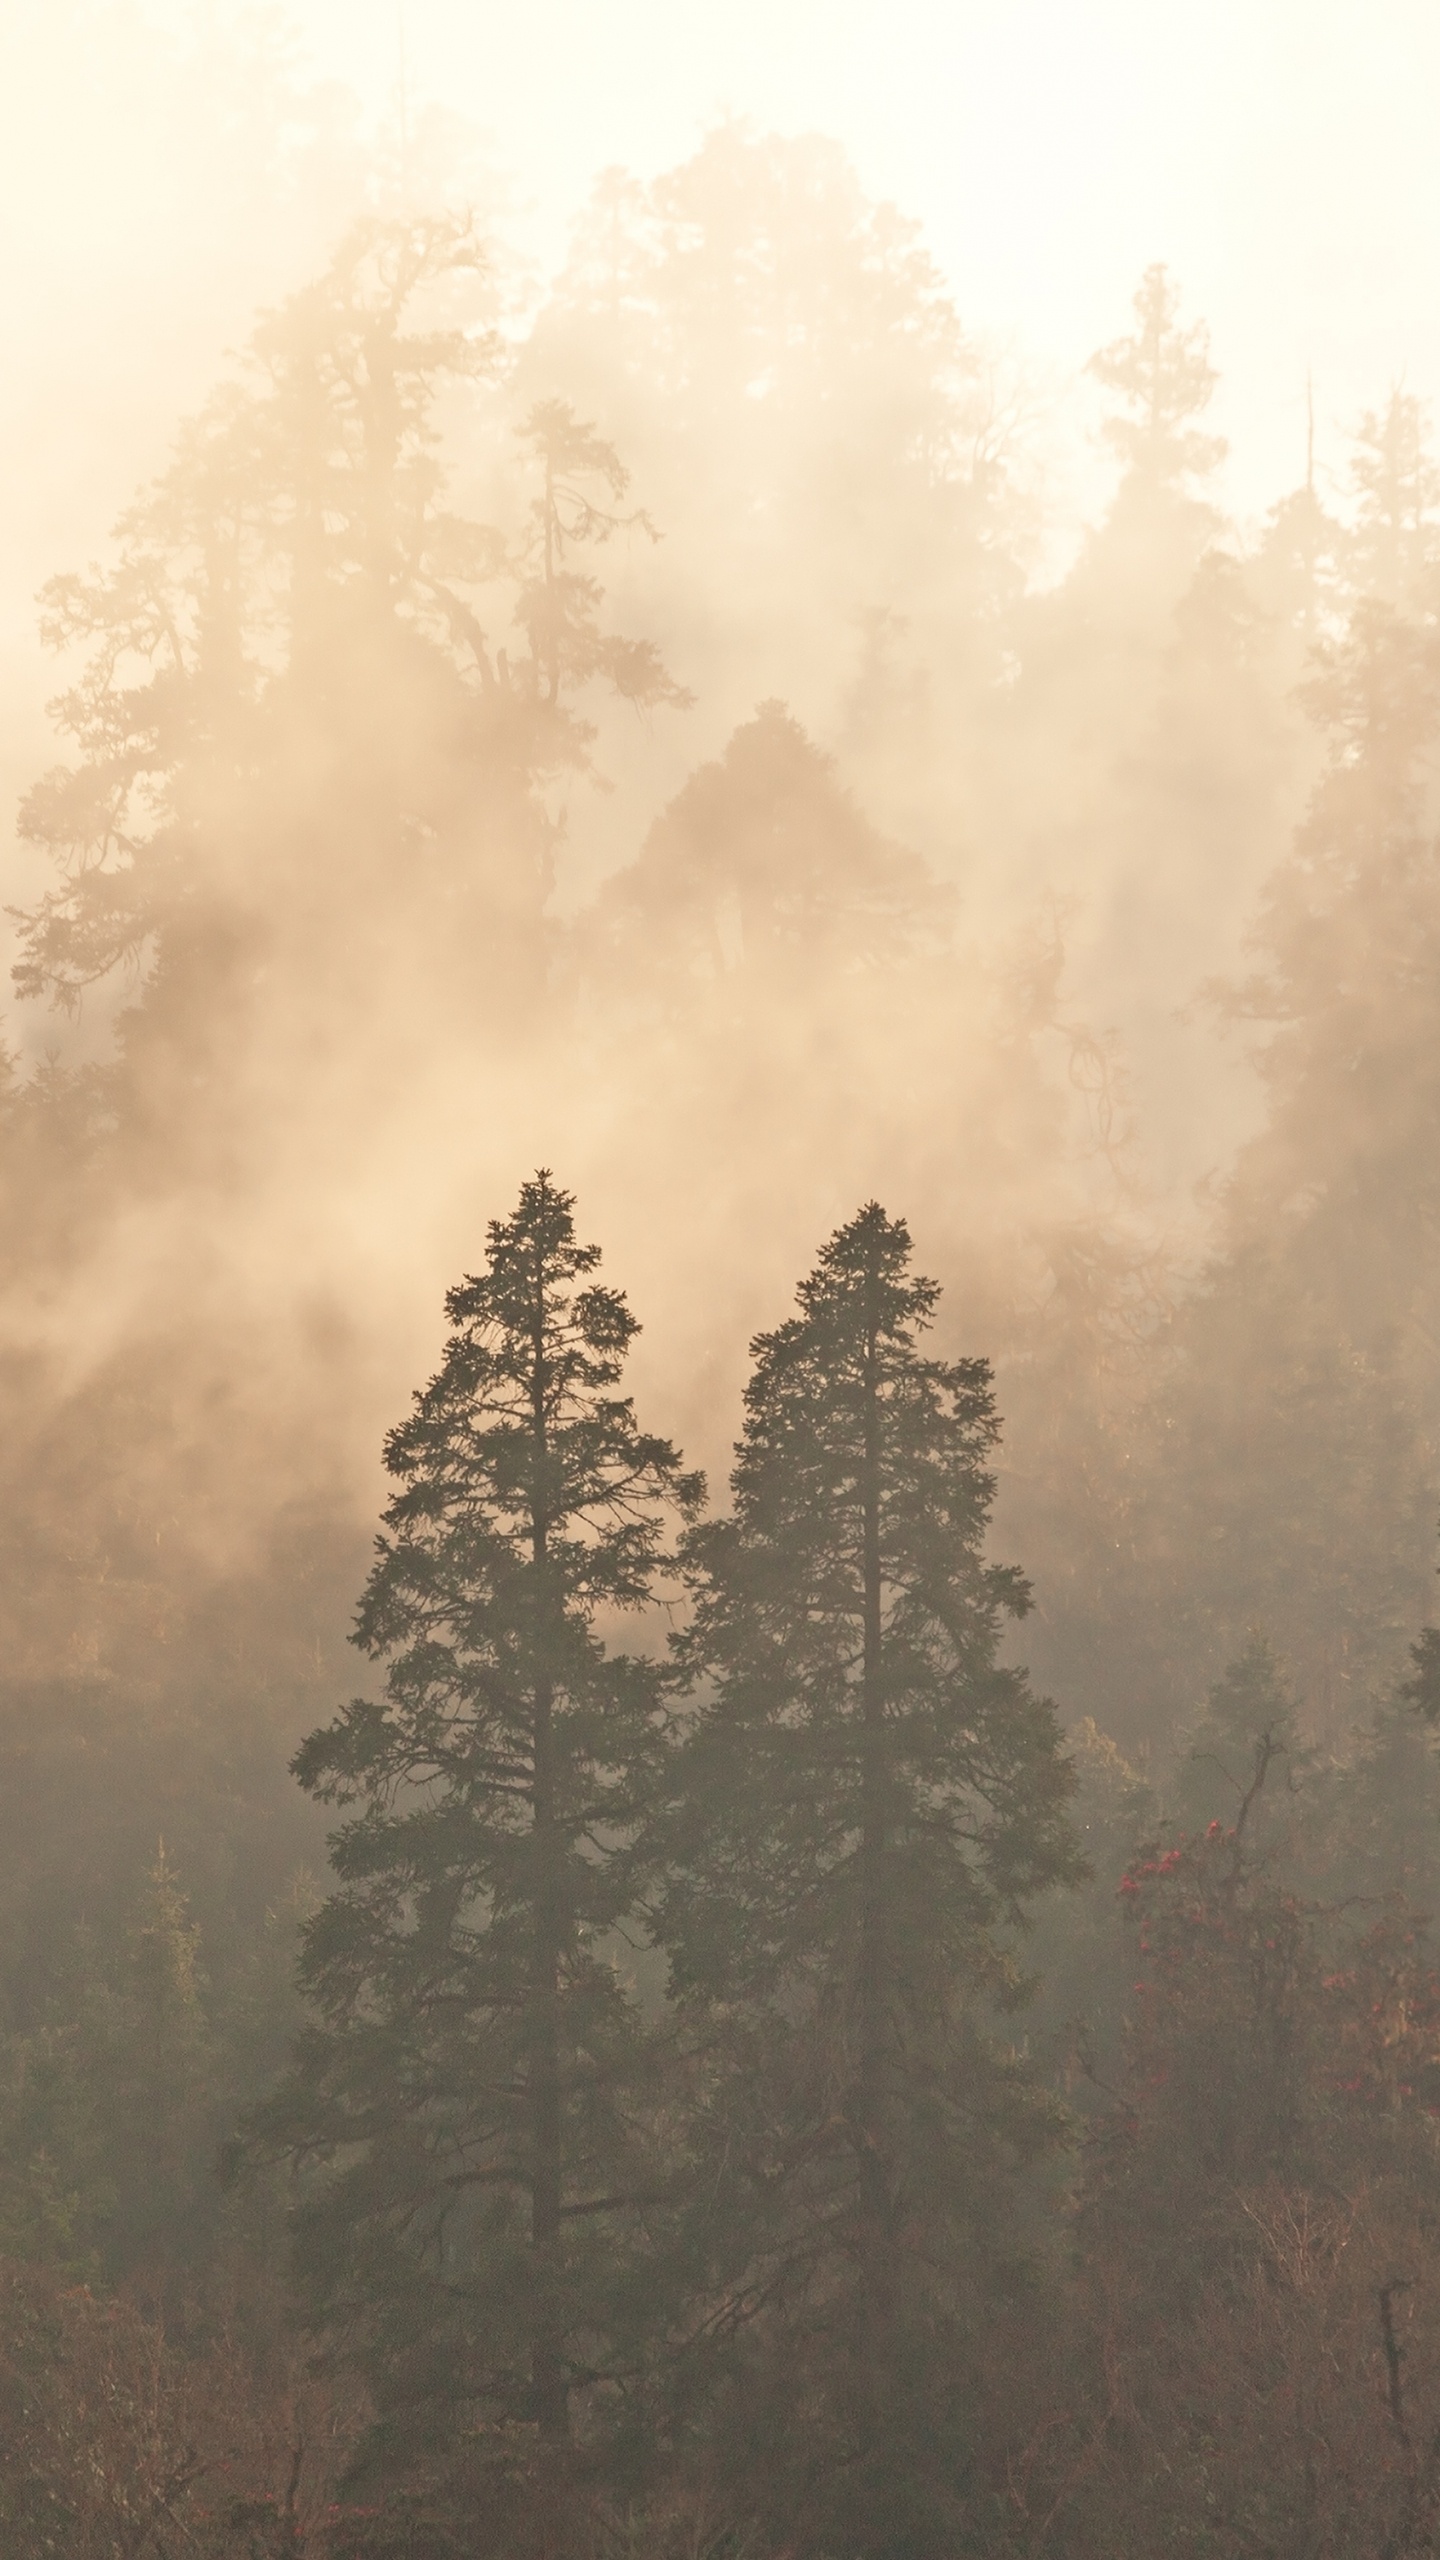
(869, 1799)
(471, 2083)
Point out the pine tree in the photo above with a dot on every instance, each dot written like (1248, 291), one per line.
(869, 1798)
(1164, 377)
(302, 818)
(1298, 1406)
(292, 681)
(763, 873)
(1249, 1710)
(781, 359)
(152, 2070)
(559, 603)
(469, 2084)
(1393, 546)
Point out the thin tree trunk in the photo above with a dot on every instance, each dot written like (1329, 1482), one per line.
(870, 2107)
(551, 2398)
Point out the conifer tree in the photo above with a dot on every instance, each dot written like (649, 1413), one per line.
(1164, 377)
(1394, 540)
(293, 675)
(764, 873)
(469, 2083)
(558, 602)
(869, 1798)
(1250, 1708)
(1298, 1399)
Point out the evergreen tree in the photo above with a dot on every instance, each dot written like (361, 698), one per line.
(780, 359)
(558, 603)
(1083, 1964)
(1384, 1829)
(1258, 2196)
(1298, 1404)
(869, 1798)
(1393, 543)
(1164, 378)
(301, 856)
(152, 2068)
(469, 2083)
(1250, 1709)
(291, 682)
(763, 873)
(1421, 1691)
(111, 2102)
(1150, 706)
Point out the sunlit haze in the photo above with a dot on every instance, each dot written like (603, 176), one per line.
(719, 1280)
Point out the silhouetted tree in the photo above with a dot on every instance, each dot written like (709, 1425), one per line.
(1299, 1406)
(306, 808)
(304, 749)
(1252, 1701)
(869, 1799)
(1164, 378)
(558, 603)
(779, 357)
(763, 874)
(470, 2088)
(1394, 545)
(1253, 2205)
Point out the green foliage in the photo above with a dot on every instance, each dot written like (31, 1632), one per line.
(1379, 1826)
(471, 2096)
(120, 2085)
(867, 1798)
(1250, 1710)
(1422, 1690)
(1254, 2241)
(1079, 1959)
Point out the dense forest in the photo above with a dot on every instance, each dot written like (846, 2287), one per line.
(854, 1976)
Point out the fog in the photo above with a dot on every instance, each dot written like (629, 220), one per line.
(768, 612)
(835, 324)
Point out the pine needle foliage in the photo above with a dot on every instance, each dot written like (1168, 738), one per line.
(868, 1798)
(471, 2094)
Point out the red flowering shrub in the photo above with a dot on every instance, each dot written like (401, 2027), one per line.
(114, 2446)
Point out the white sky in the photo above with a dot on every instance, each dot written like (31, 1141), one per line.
(1282, 155)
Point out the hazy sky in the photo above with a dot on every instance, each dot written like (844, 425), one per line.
(1280, 154)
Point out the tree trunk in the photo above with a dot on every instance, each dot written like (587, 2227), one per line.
(870, 2095)
(549, 2391)
(551, 2399)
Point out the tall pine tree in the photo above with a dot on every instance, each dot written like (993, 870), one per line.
(467, 2093)
(869, 1798)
